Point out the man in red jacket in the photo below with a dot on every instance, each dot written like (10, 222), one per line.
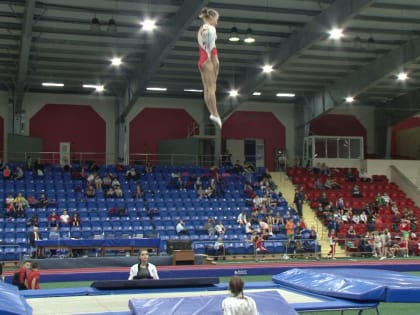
(20, 276)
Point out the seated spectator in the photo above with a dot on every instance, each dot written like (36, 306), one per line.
(220, 228)
(38, 168)
(115, 183)
(318, 184)
(219, 247)
(90, 191)
(151, 213)
(65, 218)
(364, 177)
(98, 182)
(363, 217)
(33, 221)
(118, 192)
(148, 168)
(237, 168)
(355, 218)
(356, 191)
(249, 229)
(198, 183)
(331, 184)
(7, 174)
(139, 192)
(351, 233)
(106, 182)
(20, 204)
(209, 227)
(131, 174)
(241, 219)
(10, 207)
(54, 235)
(323, 200)
(75, 220)
(110, 193)
(19, 174)
(385, 199)
(43, 202)
(349, 175)
(180, 228)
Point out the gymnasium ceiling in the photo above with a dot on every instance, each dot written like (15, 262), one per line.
(54, 41)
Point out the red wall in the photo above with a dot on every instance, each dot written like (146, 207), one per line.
(257, 125)
(79, 125)
(152, 125)
(338, 125)
(1, 136)
(403, 125)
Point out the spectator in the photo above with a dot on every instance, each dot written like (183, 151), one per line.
(209, 227)
(363, 217)
(90, 191)
(54, 235)
(148, 168)
(139, 192)
(75, 220)
(318, 184)
(65, 218)
(98, 182)
(249, 229)
(18, 175)
(220, 228)
(349, 175)
(198, 183)
(331, 184)
(53, 216)
(386, 200)
(10, 207)
(364, 177)
(33, 276)
(299, 199)
(110, 193)
(118, 192)
(33, 221)
(180, 228)
(339, 204)
(219, 247)
(20, 204)
(351, 233)
(237, 302)
(106, 182)
(241, 219)
(7, 174)
(43, 202)
(131, 174)
(38, 168)
(356, 191)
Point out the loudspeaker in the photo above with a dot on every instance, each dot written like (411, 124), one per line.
(172, 245)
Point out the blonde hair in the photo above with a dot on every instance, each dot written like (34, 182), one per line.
(207, 13)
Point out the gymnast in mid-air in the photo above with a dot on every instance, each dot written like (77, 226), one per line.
(208, 63)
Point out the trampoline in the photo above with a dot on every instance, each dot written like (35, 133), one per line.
(295, 290)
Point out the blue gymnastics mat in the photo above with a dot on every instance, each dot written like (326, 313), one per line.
(354, 284)
(11, 302)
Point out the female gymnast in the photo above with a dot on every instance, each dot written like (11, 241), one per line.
(208, 63)
(237, 303)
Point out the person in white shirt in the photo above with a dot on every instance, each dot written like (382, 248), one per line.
(241, 220)
(237, 303)
(65, 218)
(180, 228)
(144, 269)
(220, 228)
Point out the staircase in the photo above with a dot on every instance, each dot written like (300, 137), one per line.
(288, 190)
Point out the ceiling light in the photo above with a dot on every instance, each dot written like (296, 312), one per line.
(336, 33)
(116, 61)
(256, 93)
(95, 25)
(233, 93)
(97, 87)
(156, 89)
(193, 90)
(112, 26)
(268, 68)
(52, 84)
(349, 99)
(402, 76)
(234, 37)
(148, 25)
(285, 95)
(249, 39)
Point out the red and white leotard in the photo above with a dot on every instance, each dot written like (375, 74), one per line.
(206, 39)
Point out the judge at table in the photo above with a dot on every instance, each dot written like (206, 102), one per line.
(144, 269)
